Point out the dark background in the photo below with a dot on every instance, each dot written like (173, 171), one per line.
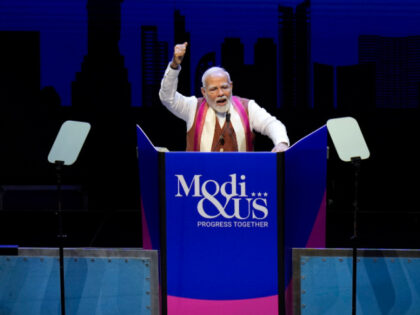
(101, 61)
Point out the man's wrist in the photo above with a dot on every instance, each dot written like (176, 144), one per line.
(174, 65)
(280, 147)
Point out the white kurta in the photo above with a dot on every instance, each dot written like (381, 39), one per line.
(185, 108)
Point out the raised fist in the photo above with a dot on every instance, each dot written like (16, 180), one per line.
(179, 53)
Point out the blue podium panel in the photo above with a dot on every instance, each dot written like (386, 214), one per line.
(221, 233)
(149, 185)
(29, 285)
(107, 286)
(388, 281)
(305, 186)
(97, 281)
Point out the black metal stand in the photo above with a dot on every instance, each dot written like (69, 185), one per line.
(61, 236)
(356, 164)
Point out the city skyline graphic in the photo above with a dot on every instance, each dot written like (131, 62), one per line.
(283, 35)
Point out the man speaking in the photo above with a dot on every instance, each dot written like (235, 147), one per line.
(218, 121)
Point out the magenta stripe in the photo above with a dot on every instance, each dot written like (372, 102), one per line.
(202, 110)
(288, 298)
(258, 306)
(317, 237)
(245, 121)
(147, 242)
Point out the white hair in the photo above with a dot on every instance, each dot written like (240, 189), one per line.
(214, 70)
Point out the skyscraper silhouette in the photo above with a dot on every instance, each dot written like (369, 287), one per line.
(323, 87)
(356, 87)
(20, 68)
(154, 61)
(101, 95)
(181, 36)
(103, 81)
(23, 127)
(303, 55)
(397, 64)
(265, 80)
(233, 61)
(294, 56)
(207, 61)
(232, 54)
(287, 71)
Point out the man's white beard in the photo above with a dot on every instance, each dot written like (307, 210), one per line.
(218, 108)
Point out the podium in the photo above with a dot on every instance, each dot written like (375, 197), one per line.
(225, 223)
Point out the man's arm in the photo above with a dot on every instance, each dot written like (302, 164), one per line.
(268, 125)
(181, 106)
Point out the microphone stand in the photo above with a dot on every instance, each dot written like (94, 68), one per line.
(61, 236)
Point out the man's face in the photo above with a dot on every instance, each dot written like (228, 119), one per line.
(218, 91)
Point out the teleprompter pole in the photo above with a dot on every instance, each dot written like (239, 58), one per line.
(61, 236)
(356, 164)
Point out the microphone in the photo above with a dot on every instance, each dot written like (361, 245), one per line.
(222, 136)
(222, 140)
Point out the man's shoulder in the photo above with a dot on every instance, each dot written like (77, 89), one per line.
(242, 98)
(244, 101)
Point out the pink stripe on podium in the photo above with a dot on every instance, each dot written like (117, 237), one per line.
(258, 306)
(147, 242)
(288, 298)
(317, 237)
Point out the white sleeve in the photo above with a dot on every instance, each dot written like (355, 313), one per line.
(181, 106)
(266, 124)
